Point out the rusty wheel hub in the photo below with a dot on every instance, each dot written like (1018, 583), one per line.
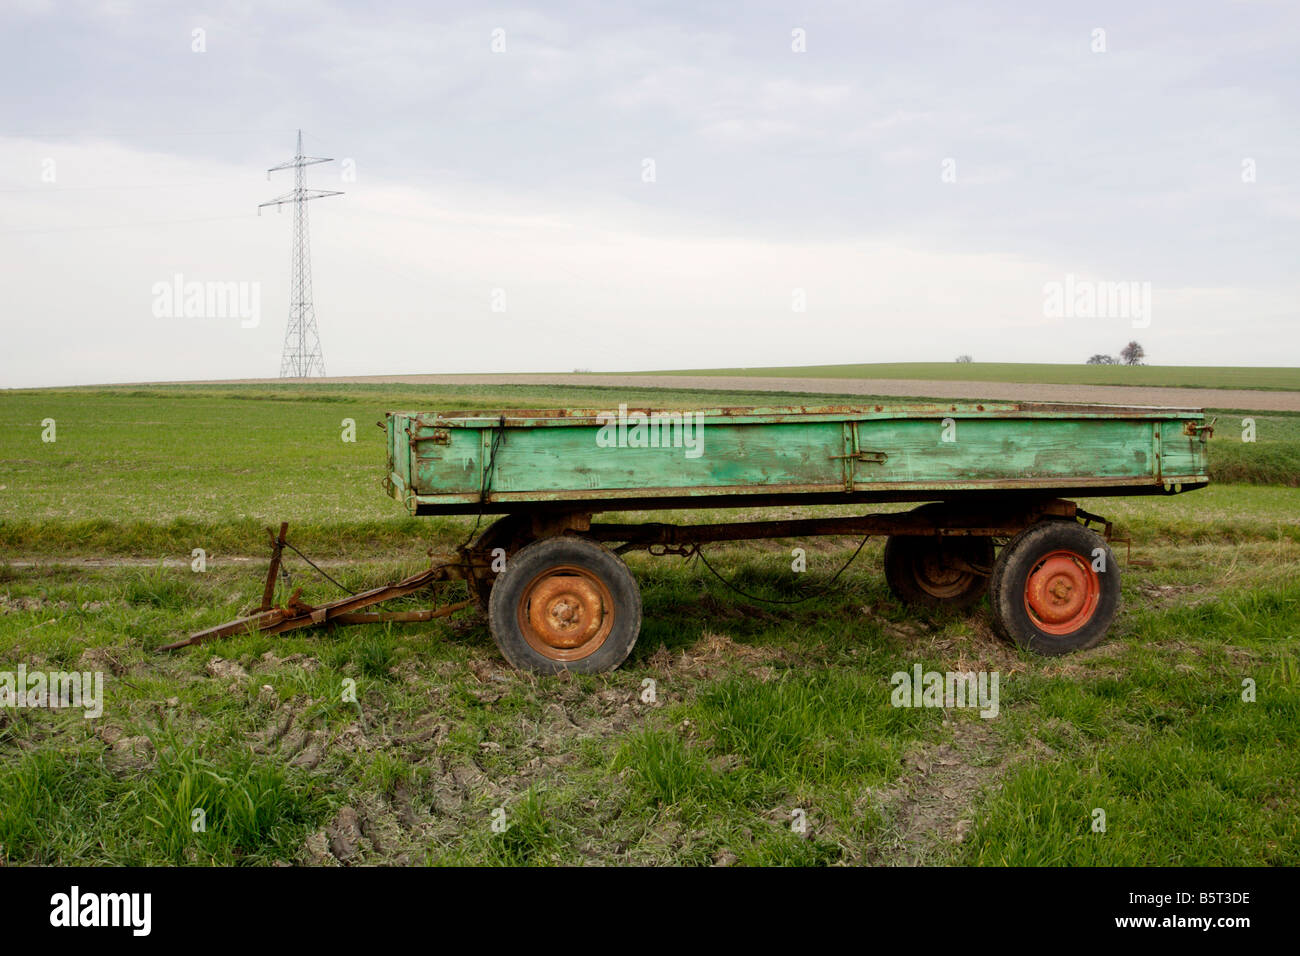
(566, 613)
(938, 577)
(1061, 592)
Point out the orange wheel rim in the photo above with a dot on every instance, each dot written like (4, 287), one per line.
(566, 613)
(1062, 592)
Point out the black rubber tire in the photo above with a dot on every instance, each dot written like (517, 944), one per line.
(566, 550)
(510, 532)
(906, 557)
(1011, 571)
(905, 554)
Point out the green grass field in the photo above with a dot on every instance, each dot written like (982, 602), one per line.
(1182, 376)
(763, 716)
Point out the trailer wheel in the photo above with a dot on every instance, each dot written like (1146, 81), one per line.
(565, 603)
(1055, 588)
(509, 533)
(935, 571)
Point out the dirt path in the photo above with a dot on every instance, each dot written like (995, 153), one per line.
(901, 387)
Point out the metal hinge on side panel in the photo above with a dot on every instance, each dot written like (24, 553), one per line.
(850, 446)
(1157, 463)
(855, 454)
(440, 436)
(874, 457)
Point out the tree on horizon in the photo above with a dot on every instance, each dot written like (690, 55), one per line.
(1133, 353)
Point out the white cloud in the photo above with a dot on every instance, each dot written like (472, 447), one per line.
(521, 171)
(404, 278)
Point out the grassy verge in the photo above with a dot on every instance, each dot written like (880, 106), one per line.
(738, 732)
(769, 737)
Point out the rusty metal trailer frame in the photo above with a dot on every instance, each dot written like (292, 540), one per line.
(671, 539)
(1005, 483)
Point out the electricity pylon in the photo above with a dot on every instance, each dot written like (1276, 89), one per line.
(302, 356)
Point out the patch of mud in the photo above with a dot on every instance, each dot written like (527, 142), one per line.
(452, 789)
(1241, 656)
(307, 663)
(1167, 594)
(18, 605)
(491, 680)
(108, 660)
(376, 829)
(399, 830)
(715, 653)
(933, 806)
(917, 638)
(224, 669)
(126, 752)
(291, 740)
(1082, 665)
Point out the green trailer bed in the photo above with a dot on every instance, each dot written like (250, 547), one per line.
(501, 462)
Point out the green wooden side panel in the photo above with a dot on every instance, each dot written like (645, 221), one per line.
(453, 468)
(571, 459)
(993, 449)
(1181, 454)
(746, 450)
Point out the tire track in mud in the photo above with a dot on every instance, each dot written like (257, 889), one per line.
(928, 811)
(932, 807)
(452, 792)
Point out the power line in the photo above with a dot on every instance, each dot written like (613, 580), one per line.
(301, 357)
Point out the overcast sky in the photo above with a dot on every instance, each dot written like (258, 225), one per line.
(684, 185)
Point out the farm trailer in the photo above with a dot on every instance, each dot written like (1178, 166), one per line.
(995, 480)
